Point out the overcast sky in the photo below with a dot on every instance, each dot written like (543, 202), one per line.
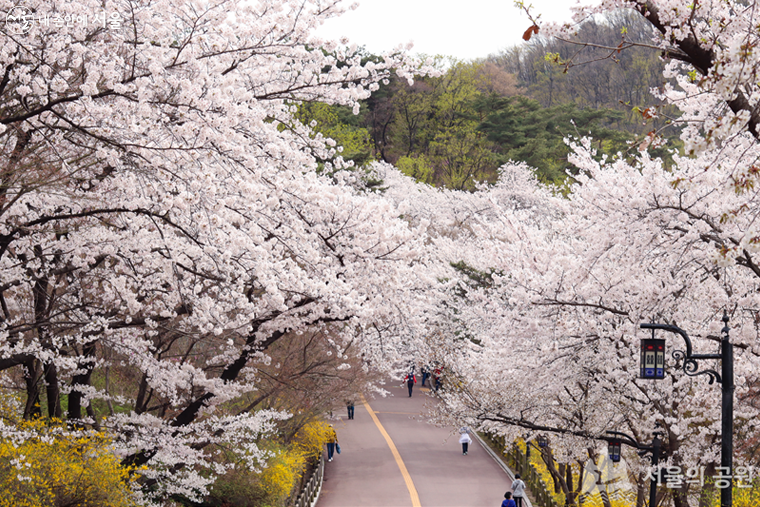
(466, 29)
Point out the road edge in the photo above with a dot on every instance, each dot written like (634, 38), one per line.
(500, 462)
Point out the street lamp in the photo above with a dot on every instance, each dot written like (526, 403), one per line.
(542, 441)
(619, 438)
(725, 378)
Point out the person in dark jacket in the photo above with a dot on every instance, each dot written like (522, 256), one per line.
(410, 380)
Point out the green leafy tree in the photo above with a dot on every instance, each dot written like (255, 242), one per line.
(543, 74)
(434, 136)
(340, 124)
(522, 130)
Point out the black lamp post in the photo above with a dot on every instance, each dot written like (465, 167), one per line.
(725, 378)
(618, 439)
(527, 451)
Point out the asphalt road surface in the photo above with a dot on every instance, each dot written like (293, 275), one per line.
(414, 464)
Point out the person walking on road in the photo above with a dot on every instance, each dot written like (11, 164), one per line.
(410, 380)
(518, 487)
(508, 501)
(350, 407)
(332, 441)
(465, 440)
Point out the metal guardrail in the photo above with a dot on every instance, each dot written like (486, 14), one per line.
(532, 478)
(310, 493)
(498, 458)
(518, 461)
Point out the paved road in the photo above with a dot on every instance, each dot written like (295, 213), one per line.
(366, 473)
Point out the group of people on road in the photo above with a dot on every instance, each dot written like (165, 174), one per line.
(515, 497)
(411, 378)
(332, 436)
(512, 498)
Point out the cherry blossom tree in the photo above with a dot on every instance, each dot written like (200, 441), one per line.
(164, 221)
(555, 295)
(540, 329)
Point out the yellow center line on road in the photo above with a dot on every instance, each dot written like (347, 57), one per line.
(396, 456)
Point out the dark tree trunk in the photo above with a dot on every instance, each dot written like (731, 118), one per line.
(94, 417)
(708, 490)
(143, 396)
(41, 310)
(32, 377)
(81, 380)
(601, 486)
(679, 499)
(642, 490)
(558, 475)
(53, 391)
(571, 496)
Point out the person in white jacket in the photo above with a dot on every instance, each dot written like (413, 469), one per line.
(518, 487)
(465, 440)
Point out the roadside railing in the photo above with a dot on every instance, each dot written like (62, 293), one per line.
(310, 492)
(534, 481)
(520, 463)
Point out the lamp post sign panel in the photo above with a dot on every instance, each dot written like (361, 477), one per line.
(653, 358)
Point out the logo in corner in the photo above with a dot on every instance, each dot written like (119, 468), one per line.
(19, 20)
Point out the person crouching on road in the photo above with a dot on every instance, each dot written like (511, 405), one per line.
(332, 441)
(465, 440)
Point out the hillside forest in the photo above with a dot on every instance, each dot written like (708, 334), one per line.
(457, 128)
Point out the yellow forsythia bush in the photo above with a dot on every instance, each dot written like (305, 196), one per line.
(311, 439)
(288, 465)
(282, 473)
(272, 485)
(743, 497)
(58, 469)
(535, 458)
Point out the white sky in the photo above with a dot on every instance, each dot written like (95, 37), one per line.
(466, 29)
